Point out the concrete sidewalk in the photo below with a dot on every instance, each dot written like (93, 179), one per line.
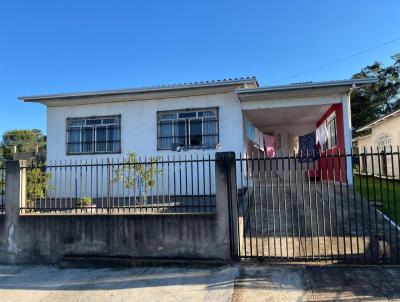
(248, 282)
(46, 283)
(317, 283)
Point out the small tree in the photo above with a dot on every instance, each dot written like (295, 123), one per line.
(2, 184)
(138, 176)
(37, 182)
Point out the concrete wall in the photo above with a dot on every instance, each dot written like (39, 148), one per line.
(39, 238)
(46, 239)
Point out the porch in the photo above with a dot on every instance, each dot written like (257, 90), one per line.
(311, 121)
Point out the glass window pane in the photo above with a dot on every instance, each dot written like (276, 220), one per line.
(113, 139)
(180, 133)
(196, 133)
(210, 133)
(74, 148)
(74, 135)
(113, 120)
(87, 139)
(167, 116)
(76, 122)
(166, 129)
(165, 135)
(93, 122)
(101, 139)
(207, 113)
(187, 114)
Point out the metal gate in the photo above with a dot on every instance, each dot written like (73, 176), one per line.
(339, 208)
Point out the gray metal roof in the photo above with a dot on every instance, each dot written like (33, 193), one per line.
(308, 85)
(190, 85)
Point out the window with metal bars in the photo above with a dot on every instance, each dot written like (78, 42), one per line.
(94, 135)
(187, 129)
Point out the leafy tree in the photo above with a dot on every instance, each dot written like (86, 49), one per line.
(377, 100)
(137, 175)
(25, 141)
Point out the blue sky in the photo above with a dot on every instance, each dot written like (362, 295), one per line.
(67, 46)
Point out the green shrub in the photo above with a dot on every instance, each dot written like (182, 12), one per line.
(84, 202)
(37, 182)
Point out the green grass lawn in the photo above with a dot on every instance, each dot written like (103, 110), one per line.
(387, 194)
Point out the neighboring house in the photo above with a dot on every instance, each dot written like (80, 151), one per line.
(383, 137)
(197, 118)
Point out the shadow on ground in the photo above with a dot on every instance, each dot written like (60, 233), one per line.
(317, 283)
(249, 282)
(45, 283)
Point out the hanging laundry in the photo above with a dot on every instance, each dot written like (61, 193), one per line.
(308, 148)
(322, 134)
(259, 139)
(250, 131)
(269, 144)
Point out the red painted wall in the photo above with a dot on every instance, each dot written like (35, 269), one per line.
(330, 167)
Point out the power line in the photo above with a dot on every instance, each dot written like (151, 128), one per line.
(337, 61)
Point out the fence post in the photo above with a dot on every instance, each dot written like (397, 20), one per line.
(15, 198)
(226, 198)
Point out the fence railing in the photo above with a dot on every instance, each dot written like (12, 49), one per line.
(182, 184)
(336, 207)
(2, 187)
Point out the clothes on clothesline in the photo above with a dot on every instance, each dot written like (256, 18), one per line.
(254, 135)
(269, 145)
(308, 148)
(250, 131)
(321, 134)
(259, 139)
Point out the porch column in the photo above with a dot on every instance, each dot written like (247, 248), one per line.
(347, 135)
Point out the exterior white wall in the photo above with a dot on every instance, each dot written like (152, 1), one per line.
(139, 124)
(390, 126)
(139, 135)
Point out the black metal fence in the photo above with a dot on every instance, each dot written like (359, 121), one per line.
(2, 187)
(182, 184)
(330, 207)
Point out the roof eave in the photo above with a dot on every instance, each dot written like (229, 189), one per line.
(378, 121)
(345, 83)
(39, 98)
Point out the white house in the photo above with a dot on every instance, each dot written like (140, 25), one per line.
(199, 118)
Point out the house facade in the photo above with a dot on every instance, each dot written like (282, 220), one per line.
(383, 137)
(198, 119)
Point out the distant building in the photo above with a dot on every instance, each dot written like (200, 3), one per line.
(383, 137)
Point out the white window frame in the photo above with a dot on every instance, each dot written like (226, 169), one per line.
(328, 145)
